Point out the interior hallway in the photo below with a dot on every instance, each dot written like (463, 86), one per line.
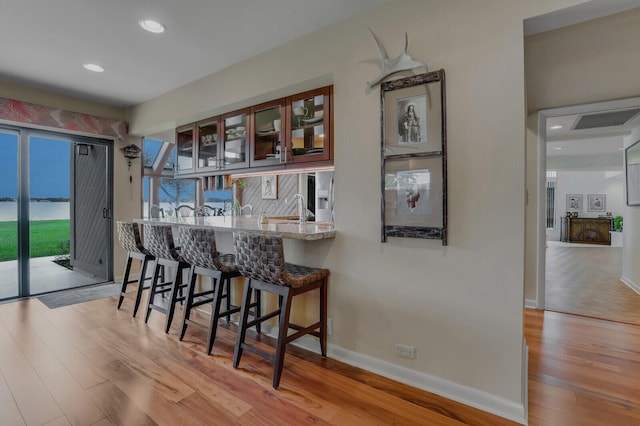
(585, 280)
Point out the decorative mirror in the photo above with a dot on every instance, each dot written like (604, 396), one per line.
(414, 157)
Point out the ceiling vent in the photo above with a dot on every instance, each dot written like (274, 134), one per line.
(605, 119)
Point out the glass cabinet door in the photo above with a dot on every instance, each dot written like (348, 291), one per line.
(208, 155)
(268, 129)
(234, 148)
(184, 149)
(310, 133)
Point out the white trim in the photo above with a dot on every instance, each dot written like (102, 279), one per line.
(525, 380)
(629, 283)
(530, 303)
(484, 401)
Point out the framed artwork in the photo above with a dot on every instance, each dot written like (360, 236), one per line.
(412, 115)
(596, 202)
(574, 202)
(270, 187)
(632, 169)
(414, 178)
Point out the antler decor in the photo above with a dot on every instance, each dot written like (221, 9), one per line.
(402, 62)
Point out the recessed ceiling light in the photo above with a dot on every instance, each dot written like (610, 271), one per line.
(152, 26)
(555, 127)
(93, 67)
(558, 148)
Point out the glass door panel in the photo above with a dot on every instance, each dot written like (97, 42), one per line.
(235, 140)
(49, 213)
(8, 215)
(267, 134)
(185, 145)
(208, 145)
(309, 139)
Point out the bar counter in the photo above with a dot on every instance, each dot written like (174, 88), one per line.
(284, 228)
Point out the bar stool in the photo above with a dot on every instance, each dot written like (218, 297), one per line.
(159, 242)
(261, 260)
(198, 248)
(129, 237)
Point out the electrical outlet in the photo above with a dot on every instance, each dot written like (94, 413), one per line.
(329, 326)
(405, 351)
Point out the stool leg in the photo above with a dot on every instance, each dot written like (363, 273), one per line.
(258, 309)
(175, 288)
(219, 284)
(323, 318)
(152, 291)
(125, 281)
(227, 284)
(141, 280)
(285, 310)
(187, 308)
(242, 327)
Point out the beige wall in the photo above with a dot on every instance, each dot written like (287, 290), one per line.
(586, 63)
(460, 305)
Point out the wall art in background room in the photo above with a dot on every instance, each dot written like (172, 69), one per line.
(596, 202)
(574, 202)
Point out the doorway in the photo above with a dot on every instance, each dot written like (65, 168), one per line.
(584, 163)
(55, 211)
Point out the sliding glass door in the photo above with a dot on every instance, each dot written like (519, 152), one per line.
(55, 212)
(8, 215)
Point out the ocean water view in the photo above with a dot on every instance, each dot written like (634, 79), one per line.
(38, 210)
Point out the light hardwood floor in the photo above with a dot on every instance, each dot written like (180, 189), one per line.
(586, 281)
(89, 364)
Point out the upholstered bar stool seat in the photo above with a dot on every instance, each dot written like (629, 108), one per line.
(198, 248)
(261, 260)
(129, 237)
(159, 242)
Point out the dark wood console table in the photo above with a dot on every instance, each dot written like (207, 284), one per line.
(586, 230)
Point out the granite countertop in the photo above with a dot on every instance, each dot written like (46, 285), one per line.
(283, 228)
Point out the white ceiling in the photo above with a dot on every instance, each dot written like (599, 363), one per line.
(45, 43)
(598, 141)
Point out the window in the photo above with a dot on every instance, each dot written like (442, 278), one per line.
(551, 198)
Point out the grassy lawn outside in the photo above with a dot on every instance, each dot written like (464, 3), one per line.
(48, 238)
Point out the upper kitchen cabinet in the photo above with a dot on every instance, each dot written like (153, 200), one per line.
(267, 135)
(208, 136)
(185, 149)
(310, 131)
(235, 125)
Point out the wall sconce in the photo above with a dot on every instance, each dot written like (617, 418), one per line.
(131, 152)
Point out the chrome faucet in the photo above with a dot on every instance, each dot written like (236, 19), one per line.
(302, 207)
(249, 206)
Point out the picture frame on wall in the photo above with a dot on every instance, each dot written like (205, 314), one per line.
(574, 203)
(270, 187)
(596, 202)
(414, 157)
(412, 111)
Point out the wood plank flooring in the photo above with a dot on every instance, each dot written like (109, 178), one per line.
(586, 281)
(90, 364)
(582, 371)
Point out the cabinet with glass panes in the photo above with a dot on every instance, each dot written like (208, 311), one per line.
(278, 134)
(185, 149)
(309, 130)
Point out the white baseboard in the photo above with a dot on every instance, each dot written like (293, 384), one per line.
(531, 303)
(633, 286)
(484, 401)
